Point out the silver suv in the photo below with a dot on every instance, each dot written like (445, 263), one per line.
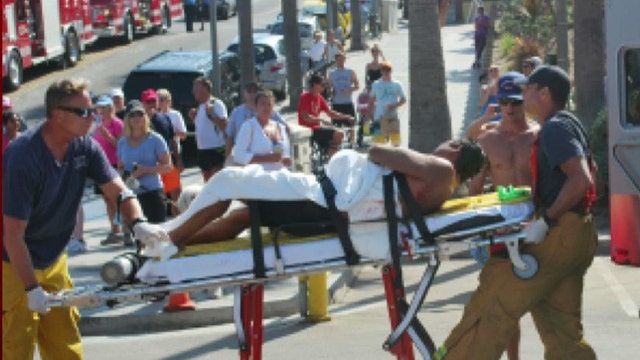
(270, 61)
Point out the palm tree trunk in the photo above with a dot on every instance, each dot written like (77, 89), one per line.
(356, 25)
(247, 56)
(292, 51)
(429, 122)
(589, 59)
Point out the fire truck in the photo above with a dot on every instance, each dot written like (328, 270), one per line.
(39, 31)
(623, 95)
(126, 18)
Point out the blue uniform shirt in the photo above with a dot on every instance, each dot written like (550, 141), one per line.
(46, 193)
(560, 139)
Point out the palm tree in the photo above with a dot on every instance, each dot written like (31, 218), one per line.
(430, 122)
(292, 51)
(589, 69)
(247, 56)
(356, 25)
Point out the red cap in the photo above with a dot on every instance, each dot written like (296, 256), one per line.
(149, 94)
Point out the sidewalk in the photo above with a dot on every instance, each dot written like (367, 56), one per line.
(280, 296)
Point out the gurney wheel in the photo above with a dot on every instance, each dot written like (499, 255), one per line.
(530, 270)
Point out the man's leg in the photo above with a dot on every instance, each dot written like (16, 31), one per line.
(181, 235)
(224, 228)
(558, 317)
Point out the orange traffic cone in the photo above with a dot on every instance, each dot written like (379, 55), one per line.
(179, 302)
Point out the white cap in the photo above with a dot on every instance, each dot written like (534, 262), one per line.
(116, 92)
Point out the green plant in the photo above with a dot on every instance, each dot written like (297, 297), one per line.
(516, 20)
(507, 42)
(524, 48)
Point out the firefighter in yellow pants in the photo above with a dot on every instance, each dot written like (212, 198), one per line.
(56, 332)
(553, 296)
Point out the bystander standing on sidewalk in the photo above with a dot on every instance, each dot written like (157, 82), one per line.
(387, 95)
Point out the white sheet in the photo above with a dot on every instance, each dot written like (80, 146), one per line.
(370, 240)
(352, 174)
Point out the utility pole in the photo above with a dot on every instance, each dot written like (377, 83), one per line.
(561, 34)
(247, 56)
(213, 34)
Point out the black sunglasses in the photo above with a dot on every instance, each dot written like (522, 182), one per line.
(507, 101)
(82, 112)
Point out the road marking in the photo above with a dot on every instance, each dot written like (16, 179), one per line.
(627, 303)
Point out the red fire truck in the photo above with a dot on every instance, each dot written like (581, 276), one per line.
(38, 31)
(125, 18)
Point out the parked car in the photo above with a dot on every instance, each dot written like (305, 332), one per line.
(307, 25)
(270, 61)
(175, 71)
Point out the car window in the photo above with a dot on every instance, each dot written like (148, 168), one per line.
(305, 30)
(281, 49)
(264, 53)
(179, 84)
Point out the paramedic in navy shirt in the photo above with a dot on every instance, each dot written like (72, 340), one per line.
(43, 182)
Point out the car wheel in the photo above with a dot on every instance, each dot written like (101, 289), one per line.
(14, 72)
(72, 52)
(128, 30)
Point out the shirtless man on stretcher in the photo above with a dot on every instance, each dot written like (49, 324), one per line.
(295, 197)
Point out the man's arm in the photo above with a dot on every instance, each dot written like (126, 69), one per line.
(17, 251)
(578, 182)
(129, 208)
(220, 122)
(175, 150)
(412, 163)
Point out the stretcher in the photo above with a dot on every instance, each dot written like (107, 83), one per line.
(461, 225)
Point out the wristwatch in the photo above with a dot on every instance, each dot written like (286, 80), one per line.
(549, 221)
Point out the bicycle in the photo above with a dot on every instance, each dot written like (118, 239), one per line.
(375, 27)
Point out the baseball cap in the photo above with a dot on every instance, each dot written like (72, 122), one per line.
(116, 92)
(552, 77)
(104, 100)
(534, 61)
(508, 85)
(6, 102)
(134, 105)
(149, 94)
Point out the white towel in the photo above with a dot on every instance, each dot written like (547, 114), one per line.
(352, 174)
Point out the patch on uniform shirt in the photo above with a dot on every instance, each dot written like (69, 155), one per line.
(79, 161)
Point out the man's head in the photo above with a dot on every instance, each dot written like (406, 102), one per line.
(202, 89)
(317, 35)
(68, 107)
(510, 96)
(10, 121)
(386, 68)
(149, 99)
(316, 83)
(104, 105)
(117, 96)
(466, 156)
(250, 90)
(480, 10)
(546, 90)
(164, 99)
(530, 64)
(340, 59)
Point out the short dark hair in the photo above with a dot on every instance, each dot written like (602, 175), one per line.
(471, 158)
(6, 116)
(316, 78)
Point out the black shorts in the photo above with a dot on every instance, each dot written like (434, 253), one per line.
(346, 109)
(211, 158)
(277, 213)
(154, 205)
(323, 136)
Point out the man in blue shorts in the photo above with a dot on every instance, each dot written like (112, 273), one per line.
(43, 181)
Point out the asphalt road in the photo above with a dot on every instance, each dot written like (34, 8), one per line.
(107, 63)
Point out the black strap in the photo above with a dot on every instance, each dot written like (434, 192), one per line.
(414, 208)
(341, 224)
(392, 228)
(256, 241)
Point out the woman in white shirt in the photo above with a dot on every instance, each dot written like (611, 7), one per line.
(262, 140)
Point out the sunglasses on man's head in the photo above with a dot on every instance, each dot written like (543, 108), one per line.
(136, 114)
(507, 101)
(82, 112)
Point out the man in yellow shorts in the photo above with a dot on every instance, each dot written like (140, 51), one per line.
(387, 95)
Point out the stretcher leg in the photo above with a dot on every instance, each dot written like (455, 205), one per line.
(403, 349)
(251, 331)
